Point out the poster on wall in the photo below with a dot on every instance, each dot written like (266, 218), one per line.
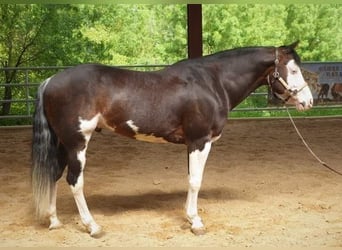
(325, 81)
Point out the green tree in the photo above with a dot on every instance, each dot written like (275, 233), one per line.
(21, 27)
(318, 27)
(236, 25)
(121, 34)
(137, 34)
(38, 35)
(171, 32)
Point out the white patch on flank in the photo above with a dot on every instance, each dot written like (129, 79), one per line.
(88, 126)
(130, 124)
(144, 137)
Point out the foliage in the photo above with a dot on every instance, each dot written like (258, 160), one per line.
(137, 34)
(123, 34)
(235, 25)
(317, 26)
(45, 34)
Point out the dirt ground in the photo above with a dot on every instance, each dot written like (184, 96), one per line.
(261, 188)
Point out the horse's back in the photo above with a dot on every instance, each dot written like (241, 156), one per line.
(82, 75)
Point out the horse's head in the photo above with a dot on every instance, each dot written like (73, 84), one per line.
(286, 79)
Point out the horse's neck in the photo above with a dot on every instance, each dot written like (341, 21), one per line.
(241, 90)
(240, 81)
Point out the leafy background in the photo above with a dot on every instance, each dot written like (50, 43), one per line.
(140, 34)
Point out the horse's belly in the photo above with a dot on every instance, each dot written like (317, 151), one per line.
(149, 138)
(157, 135)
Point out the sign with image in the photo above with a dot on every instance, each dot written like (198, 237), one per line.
(325, 81)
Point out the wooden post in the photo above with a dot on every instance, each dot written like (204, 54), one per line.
(195, 41)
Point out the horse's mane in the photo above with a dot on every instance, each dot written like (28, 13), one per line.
(239, 52)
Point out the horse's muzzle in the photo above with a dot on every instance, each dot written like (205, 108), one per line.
(302, 106)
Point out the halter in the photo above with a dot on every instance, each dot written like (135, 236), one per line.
(288, 91)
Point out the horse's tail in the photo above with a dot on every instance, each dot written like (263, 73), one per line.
(44, 157)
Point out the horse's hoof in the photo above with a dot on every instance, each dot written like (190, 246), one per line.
(55, 224)
(198, 231)
(95, 231)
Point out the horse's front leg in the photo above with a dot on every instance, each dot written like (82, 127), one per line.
(197, 160)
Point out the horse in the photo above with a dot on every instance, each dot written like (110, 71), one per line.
(336, 91)
(185, 103)
(323, 92)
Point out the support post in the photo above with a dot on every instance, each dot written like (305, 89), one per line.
(195, 41)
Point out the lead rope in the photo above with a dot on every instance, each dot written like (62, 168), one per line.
(307, 146)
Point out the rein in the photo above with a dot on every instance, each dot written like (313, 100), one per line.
(324, 164)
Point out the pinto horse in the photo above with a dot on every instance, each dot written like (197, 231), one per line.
(187, 103)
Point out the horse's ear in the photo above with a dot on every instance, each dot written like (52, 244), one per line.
(294, 45)
(290, 48)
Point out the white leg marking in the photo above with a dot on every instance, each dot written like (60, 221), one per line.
(86, 128)
(86, 217)
(77, 190)
(197, 160)
(54, 221)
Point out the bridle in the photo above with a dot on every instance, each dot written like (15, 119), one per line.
(292, 93)
(289, 92)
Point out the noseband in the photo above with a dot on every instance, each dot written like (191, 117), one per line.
(276, 76)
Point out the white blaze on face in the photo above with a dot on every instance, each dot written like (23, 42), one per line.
(295, 78)
(303, 100)
(144, 137)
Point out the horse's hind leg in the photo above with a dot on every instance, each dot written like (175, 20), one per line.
(75, 179)
(62, 161)
(77, 147)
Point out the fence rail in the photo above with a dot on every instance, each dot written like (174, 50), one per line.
(20, 95)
